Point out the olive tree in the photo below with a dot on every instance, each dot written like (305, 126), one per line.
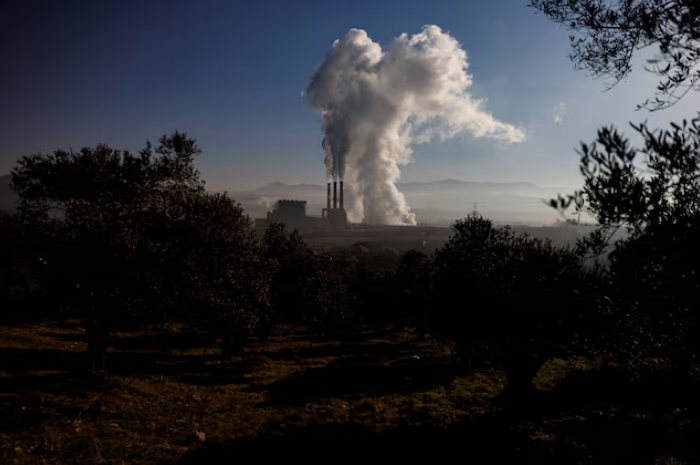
(653, 192)
(513, 301)
(136, 238)
(609, 32)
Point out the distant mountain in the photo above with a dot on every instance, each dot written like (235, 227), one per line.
(7, 195)
(436, 202)
(452, 186)
(279, 189)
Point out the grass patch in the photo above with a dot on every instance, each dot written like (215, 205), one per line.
(172, 398)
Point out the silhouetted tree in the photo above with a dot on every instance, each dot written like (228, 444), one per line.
(223, 276)
(291, 259)
(413, 284)
(655, 268)
(330, 296)
(512, 301)
(133, 237)
(369, 274)
(613, 30)
(20, 293)
(305, 285)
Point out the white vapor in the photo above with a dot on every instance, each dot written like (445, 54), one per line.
(266, 202)
(376, 103)
(558, 112)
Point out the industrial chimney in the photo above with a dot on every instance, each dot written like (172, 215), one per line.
(341, 195)
(335, 195)
(328, 197)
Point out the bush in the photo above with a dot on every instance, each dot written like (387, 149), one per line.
(305, 286)
(513, 301)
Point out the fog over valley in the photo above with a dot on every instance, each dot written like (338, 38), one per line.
(436, 203)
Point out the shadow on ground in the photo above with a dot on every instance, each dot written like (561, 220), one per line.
(163, 341)
(32, 361)
(22, 397)
(486, 439)
(48, 370)
(23, 361)
(145, 340)
(340, 349)
(652, 414)
(490, 438)
(318, 334)
(361, 374)
(660, 392)
(598, 417)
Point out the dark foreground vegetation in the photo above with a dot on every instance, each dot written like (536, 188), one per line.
(145, 322)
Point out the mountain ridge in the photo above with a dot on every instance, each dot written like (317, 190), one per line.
(443, 182)
(432, 200)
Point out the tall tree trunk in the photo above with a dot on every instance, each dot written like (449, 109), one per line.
(97, 336)
(520, 368)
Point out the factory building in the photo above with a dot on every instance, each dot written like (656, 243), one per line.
(293, 213)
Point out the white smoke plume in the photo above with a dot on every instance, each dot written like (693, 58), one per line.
(266, 202)
(375, 104)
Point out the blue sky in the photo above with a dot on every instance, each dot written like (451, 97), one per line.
(230, 74)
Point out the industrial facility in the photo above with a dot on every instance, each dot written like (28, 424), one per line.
(292, 213)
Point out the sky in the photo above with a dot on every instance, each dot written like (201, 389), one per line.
(230, 74)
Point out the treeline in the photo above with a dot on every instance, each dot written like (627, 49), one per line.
(123, 241)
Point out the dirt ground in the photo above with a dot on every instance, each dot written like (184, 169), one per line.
(171, 397)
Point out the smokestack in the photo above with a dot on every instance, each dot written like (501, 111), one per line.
(341, 195)
(328, 197)
(335, 195)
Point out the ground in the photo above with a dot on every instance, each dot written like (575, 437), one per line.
(170, 397)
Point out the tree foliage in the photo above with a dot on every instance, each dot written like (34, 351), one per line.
(305, 285)
(609, 32)
(657, 199)
(135, 239)
(413, 284)
(513, 300)
(20, 290)
(619, 192)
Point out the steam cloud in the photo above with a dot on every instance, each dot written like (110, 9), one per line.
(375, 104)
(265, 202)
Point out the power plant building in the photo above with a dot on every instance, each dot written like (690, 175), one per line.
(293, 213)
